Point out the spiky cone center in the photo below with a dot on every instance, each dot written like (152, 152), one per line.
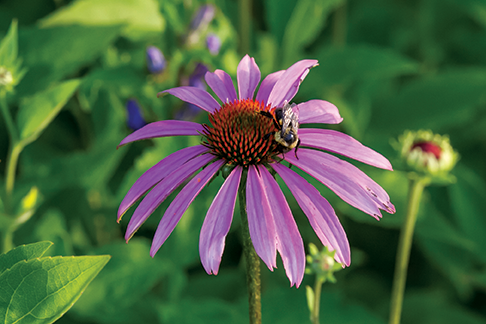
(240, 134)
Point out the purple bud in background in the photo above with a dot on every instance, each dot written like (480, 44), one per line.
(213, 43)
(155, 60)
(203, 17)
(200, 23)
(196, 79)
(134, 116)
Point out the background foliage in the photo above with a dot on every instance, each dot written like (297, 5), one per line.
(388, 66)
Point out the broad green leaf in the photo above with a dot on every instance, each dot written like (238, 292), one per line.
(139, 16)
(42, 290)
(52, 54)
(23, 253)
(8, 46)
(443, 100)
(476, 8)
(429, 306)
(305, 24)
(35, 113)
(131, 274)
(278, 13)
(361, 63)
(467, 198)
(203, 311)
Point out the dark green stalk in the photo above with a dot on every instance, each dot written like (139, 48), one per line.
(252, 260)
(417, 186)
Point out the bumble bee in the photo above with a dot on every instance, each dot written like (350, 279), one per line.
(288, 122)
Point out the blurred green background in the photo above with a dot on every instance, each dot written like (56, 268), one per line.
(388, 65)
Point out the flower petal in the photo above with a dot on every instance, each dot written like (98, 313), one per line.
(222, 85)
(248, 75)
(289, 82)
(289, 242)
(195, 96)
(346, 180)
(321, 215)
(163, 189)
(260, 219)
(267, 85)
(337, 142)
(180, 204)
(318, 111)
(156, 173)
(163, 128)
(218, 222)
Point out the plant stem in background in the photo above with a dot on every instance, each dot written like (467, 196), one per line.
(244, 7)
(14, 150)
(317, 300)
(339, 29)
(405, 243)
(252, 261)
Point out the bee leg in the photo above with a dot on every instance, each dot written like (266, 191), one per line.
(267, 136)
(296, 148)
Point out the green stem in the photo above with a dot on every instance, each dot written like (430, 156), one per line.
(12, 159)
(339, 26)
(317, 301)
(403, 253)
(12, 131)
(245, 26)
(252, 261)
(7, 241)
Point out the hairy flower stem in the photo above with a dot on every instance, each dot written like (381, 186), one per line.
(317, 301)
(416, 189)
(252, 261)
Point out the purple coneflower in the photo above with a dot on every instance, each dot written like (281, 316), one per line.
(242, 137)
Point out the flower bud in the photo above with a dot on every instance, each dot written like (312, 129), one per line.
(427, 153)
(322, 263)
(156, 62)
(213, 43)
(200, 23)
(135, 119)
(6, 78)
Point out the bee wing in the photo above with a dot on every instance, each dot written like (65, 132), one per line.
(287, 116)
(295, 118)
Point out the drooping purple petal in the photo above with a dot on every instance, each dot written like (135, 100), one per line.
(222, 85)
(248, 76)
(194, 95)
(320, 213)
(289, 242)
(337, 142)
(163, 128)
(163, 189)
(260, 219)
(318, 111)
(289, 82)
(156, 173)
(267, 85)
(180, 204)
(218, 222)
(346, 180)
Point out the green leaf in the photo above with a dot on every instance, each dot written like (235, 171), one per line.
(35, 113)
(139, 16)
(467, 198)
(23, 252)
(52, 54)
(305, 24)
(113, 296)
(278, 14)
(361, 63)
(8, 46)
(436, 102)
(42, 290)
